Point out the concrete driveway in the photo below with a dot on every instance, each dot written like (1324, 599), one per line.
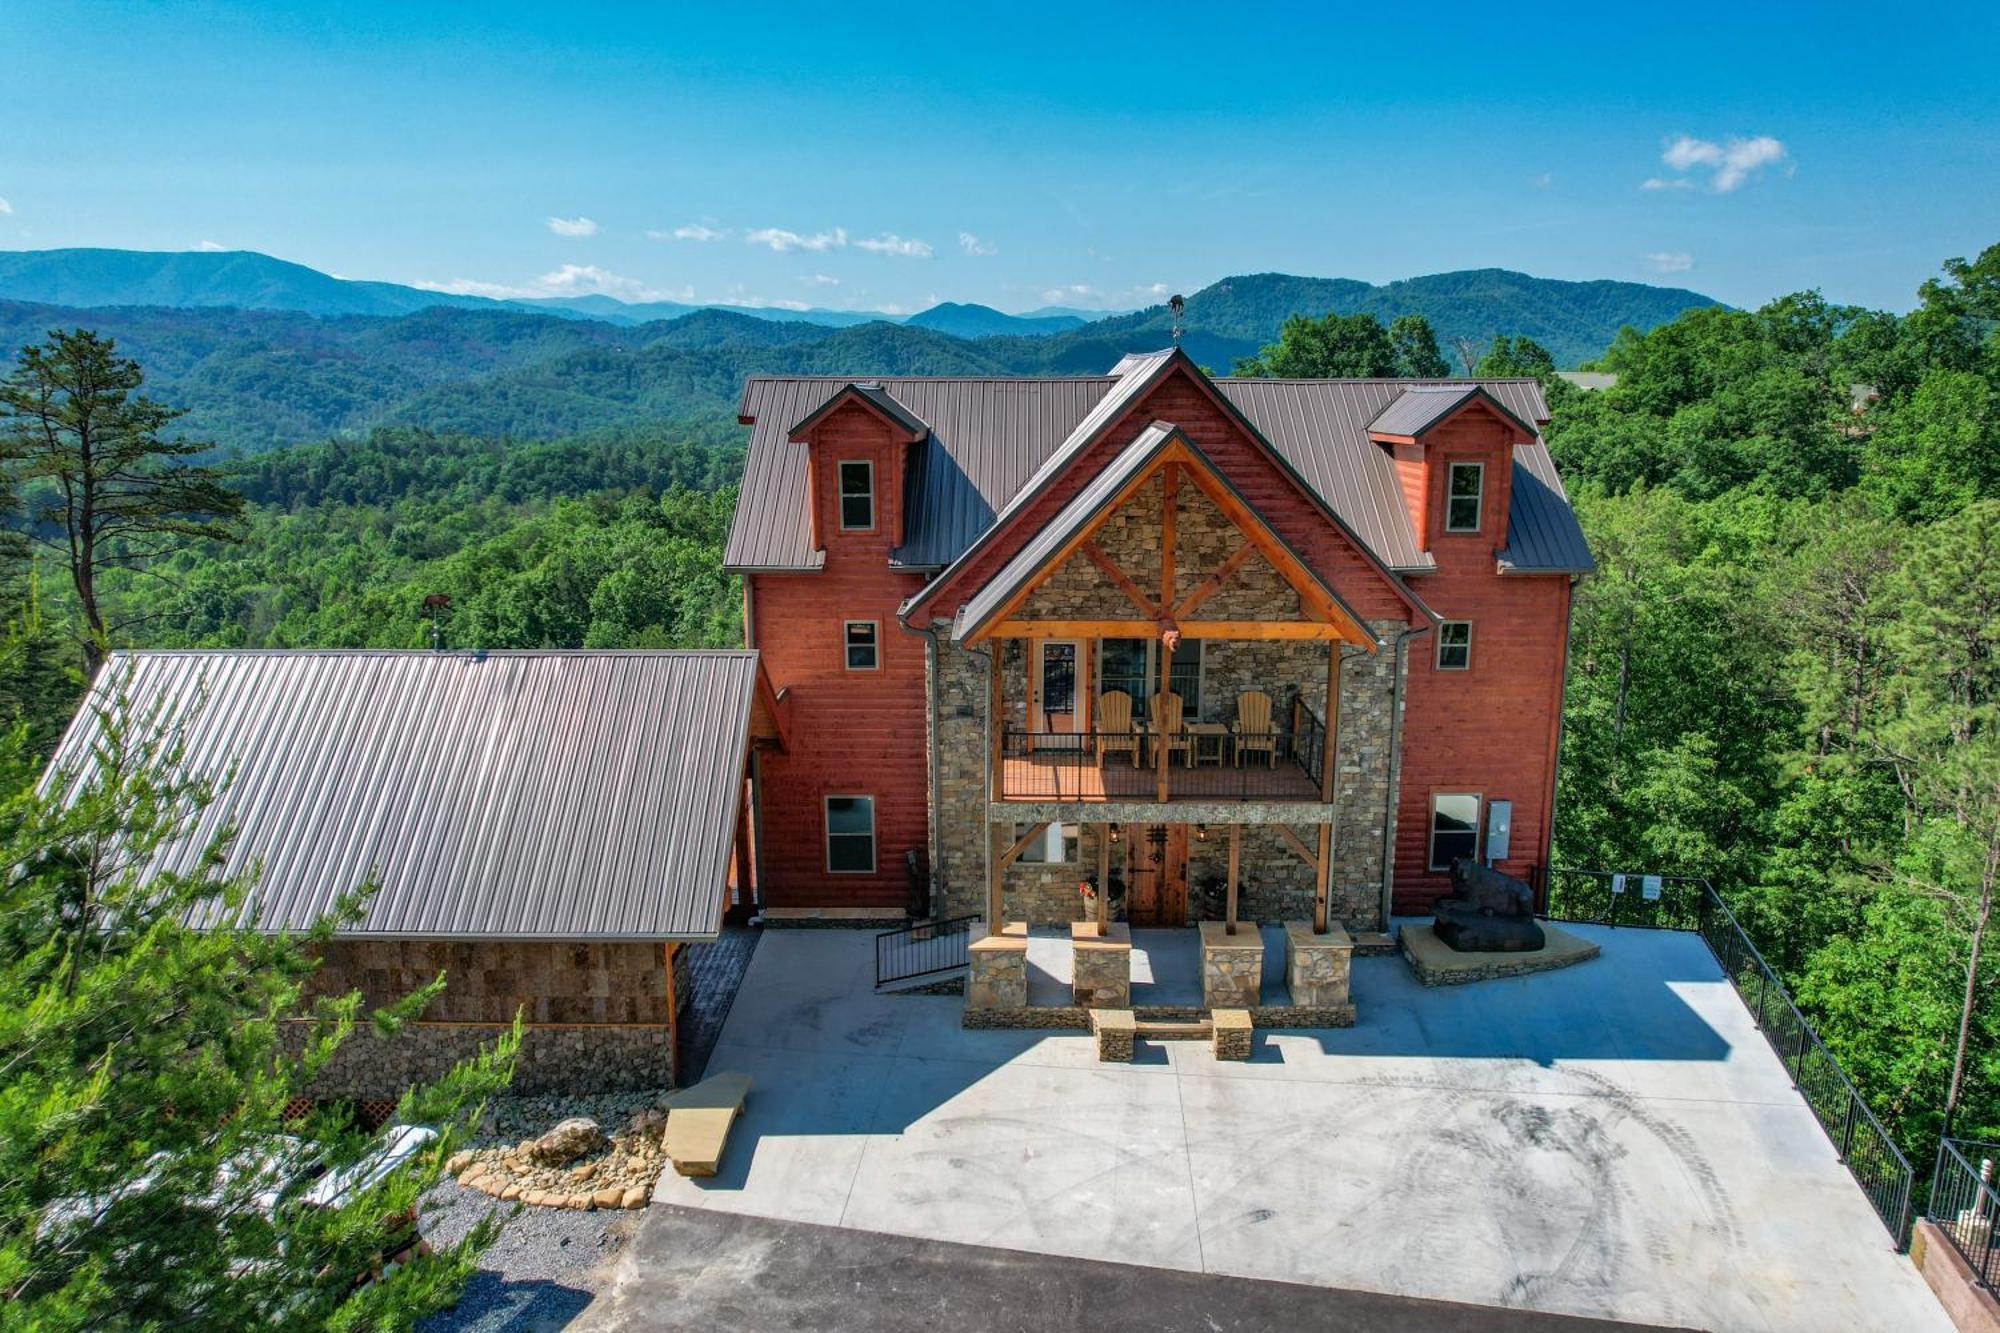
(1613, 1140)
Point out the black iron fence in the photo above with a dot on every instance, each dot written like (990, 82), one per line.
(1685, 902)
(1208, 761)
(923, 949)
(1963, 1204)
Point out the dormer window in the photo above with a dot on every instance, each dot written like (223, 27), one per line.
(857, 496)
(1462, 497)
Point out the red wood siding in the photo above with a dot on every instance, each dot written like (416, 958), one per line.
(855, 733)
(1491, 729)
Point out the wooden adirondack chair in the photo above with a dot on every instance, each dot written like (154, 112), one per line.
(1252, 728)
(1168, 727)
(1114, 726)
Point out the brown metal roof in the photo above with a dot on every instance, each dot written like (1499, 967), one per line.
(504, 795)
(992, 438)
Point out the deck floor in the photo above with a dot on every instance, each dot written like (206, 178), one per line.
(1071, 777)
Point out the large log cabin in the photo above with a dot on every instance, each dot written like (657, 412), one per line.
(1048, 643)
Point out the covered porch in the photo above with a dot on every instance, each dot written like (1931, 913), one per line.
(1166, 967)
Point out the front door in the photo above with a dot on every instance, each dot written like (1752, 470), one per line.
(1062, 711)
(1156, 875)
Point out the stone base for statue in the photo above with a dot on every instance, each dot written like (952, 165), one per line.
(1100, 965)
(997, 975)
(1468, 930)
(1437, 965)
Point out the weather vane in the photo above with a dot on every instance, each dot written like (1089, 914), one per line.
(1178, 304)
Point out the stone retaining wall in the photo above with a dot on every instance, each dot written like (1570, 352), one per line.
(579, 1059)
(1053, 1017)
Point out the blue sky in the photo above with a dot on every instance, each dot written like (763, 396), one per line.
(885, 157)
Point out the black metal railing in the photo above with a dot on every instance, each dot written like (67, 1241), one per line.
(1215, 764)
(922, 949)
(1963, 1203)
(1688, 902)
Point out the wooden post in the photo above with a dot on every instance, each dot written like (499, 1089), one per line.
(1169, 522)
(744, 890)
(1330, 760)
(1161, 747)
(1104, 879)
(996, 722)
(1235, 863)
(996, 874)
(1322, 887)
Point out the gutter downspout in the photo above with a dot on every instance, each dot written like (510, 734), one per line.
(933, 843)
(756, 794)
(1389, 799)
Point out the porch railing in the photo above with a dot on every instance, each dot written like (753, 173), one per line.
(1687, 902)
(1210, 765)
(923, 950)
(1964, 1205)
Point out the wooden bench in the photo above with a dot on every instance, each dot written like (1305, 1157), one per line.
(1166, 1029)
(698, 1121)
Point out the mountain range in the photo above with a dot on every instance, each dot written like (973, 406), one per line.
(263, 352)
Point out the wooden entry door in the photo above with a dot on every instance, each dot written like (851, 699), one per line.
(1156, 876)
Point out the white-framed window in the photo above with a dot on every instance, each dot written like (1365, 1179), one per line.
(850, 835)
(1056, 846)
(1454, 827)
(857, 496)
(861, 642)
(1464, 487)
(1455, 645)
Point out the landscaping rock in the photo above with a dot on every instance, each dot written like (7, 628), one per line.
(570, 1139)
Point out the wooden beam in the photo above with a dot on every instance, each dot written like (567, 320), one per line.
(1323, 883)
(996, 902)
(1308, 630)
(1299, 848)
(1169, 525)
(1235, 864)
(1163, 748)
(996, 721)
(1021, 843)
(1213, 583)
(1104, 879)
(1121, 580)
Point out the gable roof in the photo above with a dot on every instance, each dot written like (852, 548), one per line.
(1084, 509)
(874, 396)
(1416, 410)
(504, 795)
(991, 437)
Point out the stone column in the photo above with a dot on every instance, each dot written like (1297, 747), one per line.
(997, 976)
(1101, 965)
(1232, 966)
(1317, 965)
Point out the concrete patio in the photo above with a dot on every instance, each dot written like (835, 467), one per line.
(1614, 1140)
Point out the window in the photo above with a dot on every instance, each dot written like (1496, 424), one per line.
(1133, 665)
(1461, 513)
(1056, 845)
(861, 648)
(857, 496)
(1455, 645)
(850, 835)
(1454, 827)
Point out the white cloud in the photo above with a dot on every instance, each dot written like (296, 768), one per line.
(1670, 261)
(578, 226)
(694, 231)
(972, 245)
(210, 245)
(499, 291)
(889, 243)
(5, 208)
(1729, 164)
(568, 280)
(820, 280)
(1545, 180)
(781, 240)
(1076, 291)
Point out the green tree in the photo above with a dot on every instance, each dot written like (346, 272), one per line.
(149, 1174)
(1515, 356)
(1416, 348)
(1330, 347)
(120, 495)
(1937, 450)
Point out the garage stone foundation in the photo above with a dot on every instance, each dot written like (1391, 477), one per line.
(1317, 967)
(997, 969)
(1101, 965)
(573, 1059)
(1232, 966)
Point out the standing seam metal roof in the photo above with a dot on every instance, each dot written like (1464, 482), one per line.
(992, 438)
(503, 795)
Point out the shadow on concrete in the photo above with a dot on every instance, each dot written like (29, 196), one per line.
(491, 1303)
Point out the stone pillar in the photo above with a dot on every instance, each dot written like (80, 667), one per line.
(1101, 965)
(998, 969)
(1232, 966)
(1317, 965)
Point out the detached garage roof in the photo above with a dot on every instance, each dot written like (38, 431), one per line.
(503, 795)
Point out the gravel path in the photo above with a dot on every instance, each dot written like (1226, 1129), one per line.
(549, 1263)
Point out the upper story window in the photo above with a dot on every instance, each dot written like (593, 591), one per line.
(857, 496)
(861, 644)
(1455, 645)
(1466, 487)
(850, 835)
(1454, 827)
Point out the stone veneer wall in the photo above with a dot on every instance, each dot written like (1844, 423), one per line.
(609, 997)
